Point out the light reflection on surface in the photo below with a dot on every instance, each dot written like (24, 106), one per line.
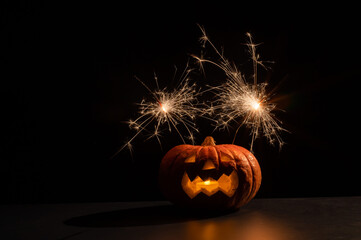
(262, 219)
(254, 226)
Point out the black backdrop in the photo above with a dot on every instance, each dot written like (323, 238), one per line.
(67, 83)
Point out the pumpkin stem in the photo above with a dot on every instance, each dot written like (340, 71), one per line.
(209, 141)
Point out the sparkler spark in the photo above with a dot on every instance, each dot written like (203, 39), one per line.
(168, 108)
(237, 100)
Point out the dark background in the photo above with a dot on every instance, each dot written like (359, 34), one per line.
(67, 85)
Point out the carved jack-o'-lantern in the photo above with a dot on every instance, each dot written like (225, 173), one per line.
(209, 176)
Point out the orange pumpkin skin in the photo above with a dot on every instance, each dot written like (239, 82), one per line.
(226, 158)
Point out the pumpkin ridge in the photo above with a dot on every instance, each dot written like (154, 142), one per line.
(180, 155)
(226, 151)
(219, 155)
(179, 152)
(249, 156)
(246, 197)
(214, 152)
(197, 152)
(166, 169)
(253, 180)
(207, 152)
(254, 165)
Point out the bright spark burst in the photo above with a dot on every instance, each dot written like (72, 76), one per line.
(168, 109)
(247, 104)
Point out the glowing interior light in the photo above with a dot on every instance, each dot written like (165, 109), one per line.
(226, 184)
(207, 182)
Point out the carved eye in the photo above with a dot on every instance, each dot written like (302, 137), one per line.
(208, 165)
(191, 159)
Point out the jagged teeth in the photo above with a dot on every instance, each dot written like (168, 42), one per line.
(226, 184)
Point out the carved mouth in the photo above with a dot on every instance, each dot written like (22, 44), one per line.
(227, 184)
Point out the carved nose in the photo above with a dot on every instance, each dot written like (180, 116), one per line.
(208, 165)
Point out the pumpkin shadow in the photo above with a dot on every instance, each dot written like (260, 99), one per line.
(143, 216)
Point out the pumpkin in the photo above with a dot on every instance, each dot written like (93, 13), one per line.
(210, 176)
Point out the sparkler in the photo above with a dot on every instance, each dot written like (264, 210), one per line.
(247, 104)
(169, 109)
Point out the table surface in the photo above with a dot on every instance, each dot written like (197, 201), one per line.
(261, 219)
